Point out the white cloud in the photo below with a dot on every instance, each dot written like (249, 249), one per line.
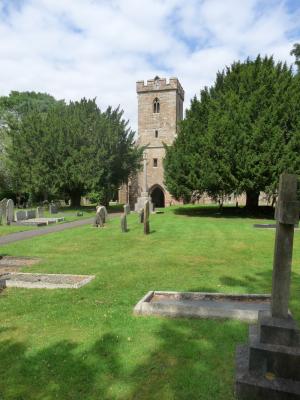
(100, 48)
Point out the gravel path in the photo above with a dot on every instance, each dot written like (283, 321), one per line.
(14, 237)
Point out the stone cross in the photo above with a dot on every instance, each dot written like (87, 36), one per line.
(287, 215)
(146, 218)
(145, 190)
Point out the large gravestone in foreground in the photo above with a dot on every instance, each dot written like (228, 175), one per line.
(269, 367)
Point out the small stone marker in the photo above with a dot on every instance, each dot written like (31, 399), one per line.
(274, 349)
(146, 218)
(124, 223)
(40, 212)
(141, 216)
(127, 209)
(9, 211)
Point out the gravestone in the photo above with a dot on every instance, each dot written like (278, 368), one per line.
(103, 212)
(98, 221)
(269, 367)
(21, 215)
(146, 218)
(141, 216)
(31, 214)
(124, 223)
(3, 211)
(53, 208)
(127, 209)
(40, 212)
(9, 211)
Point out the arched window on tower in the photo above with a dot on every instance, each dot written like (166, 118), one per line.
(156, 106)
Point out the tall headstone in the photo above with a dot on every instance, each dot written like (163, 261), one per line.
(124, 223)
(3, 211)
(9, 211)
(146, 218)
(270, 366)
(127, 209)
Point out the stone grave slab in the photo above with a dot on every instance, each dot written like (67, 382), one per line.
(44, 281)
(13, 264)
(40, 221)
(244, 307)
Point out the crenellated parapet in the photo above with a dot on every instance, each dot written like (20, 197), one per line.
(160, 84)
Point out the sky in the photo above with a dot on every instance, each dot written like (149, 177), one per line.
(100, 48)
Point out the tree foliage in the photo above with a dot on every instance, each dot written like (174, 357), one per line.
(240, 134)
(72, 150)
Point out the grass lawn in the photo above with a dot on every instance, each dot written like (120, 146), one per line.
(86, 344)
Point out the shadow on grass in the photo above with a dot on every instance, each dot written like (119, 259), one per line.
(190, 360)
(194, 360)
(262, 212)
(59, 371)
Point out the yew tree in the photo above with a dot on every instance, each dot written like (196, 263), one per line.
(240, 134)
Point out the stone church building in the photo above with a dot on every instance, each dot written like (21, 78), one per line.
(160, 108)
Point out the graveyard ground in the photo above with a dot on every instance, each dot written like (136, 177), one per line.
(86, 344)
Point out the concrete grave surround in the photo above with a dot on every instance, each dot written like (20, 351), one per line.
(44, 281)
(203, 305)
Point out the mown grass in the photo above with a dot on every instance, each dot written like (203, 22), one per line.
(86, 344)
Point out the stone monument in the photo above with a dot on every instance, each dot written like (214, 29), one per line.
(9, 211)
(146, 218)
(269, 367)
(124, 222)
(139, 205)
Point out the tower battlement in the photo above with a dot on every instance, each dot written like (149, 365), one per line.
(160, 84)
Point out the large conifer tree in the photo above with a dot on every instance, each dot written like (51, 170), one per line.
(240, 135)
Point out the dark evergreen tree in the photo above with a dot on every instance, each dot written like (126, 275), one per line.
(240, 135)
(72, 150)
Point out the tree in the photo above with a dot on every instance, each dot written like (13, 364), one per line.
(72, 150)
(240, 135)
(296, 52)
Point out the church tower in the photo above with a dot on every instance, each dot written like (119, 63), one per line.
(160, 108)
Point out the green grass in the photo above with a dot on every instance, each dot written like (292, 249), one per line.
(86, 344)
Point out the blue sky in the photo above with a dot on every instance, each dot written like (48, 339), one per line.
(100, 48)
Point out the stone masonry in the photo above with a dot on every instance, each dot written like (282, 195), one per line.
(160, 108)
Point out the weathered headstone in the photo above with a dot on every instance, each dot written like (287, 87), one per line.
(124, 223)
(99, 222)
(146, 218)
(127, 209)
(53, 208)
(31, 214)
(103, 212)
(21, 215)
(40, 212)
(9, 211)
(141, 216)
(3, 211)
(270, 366)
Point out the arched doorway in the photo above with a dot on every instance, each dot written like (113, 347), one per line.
(157, 197)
